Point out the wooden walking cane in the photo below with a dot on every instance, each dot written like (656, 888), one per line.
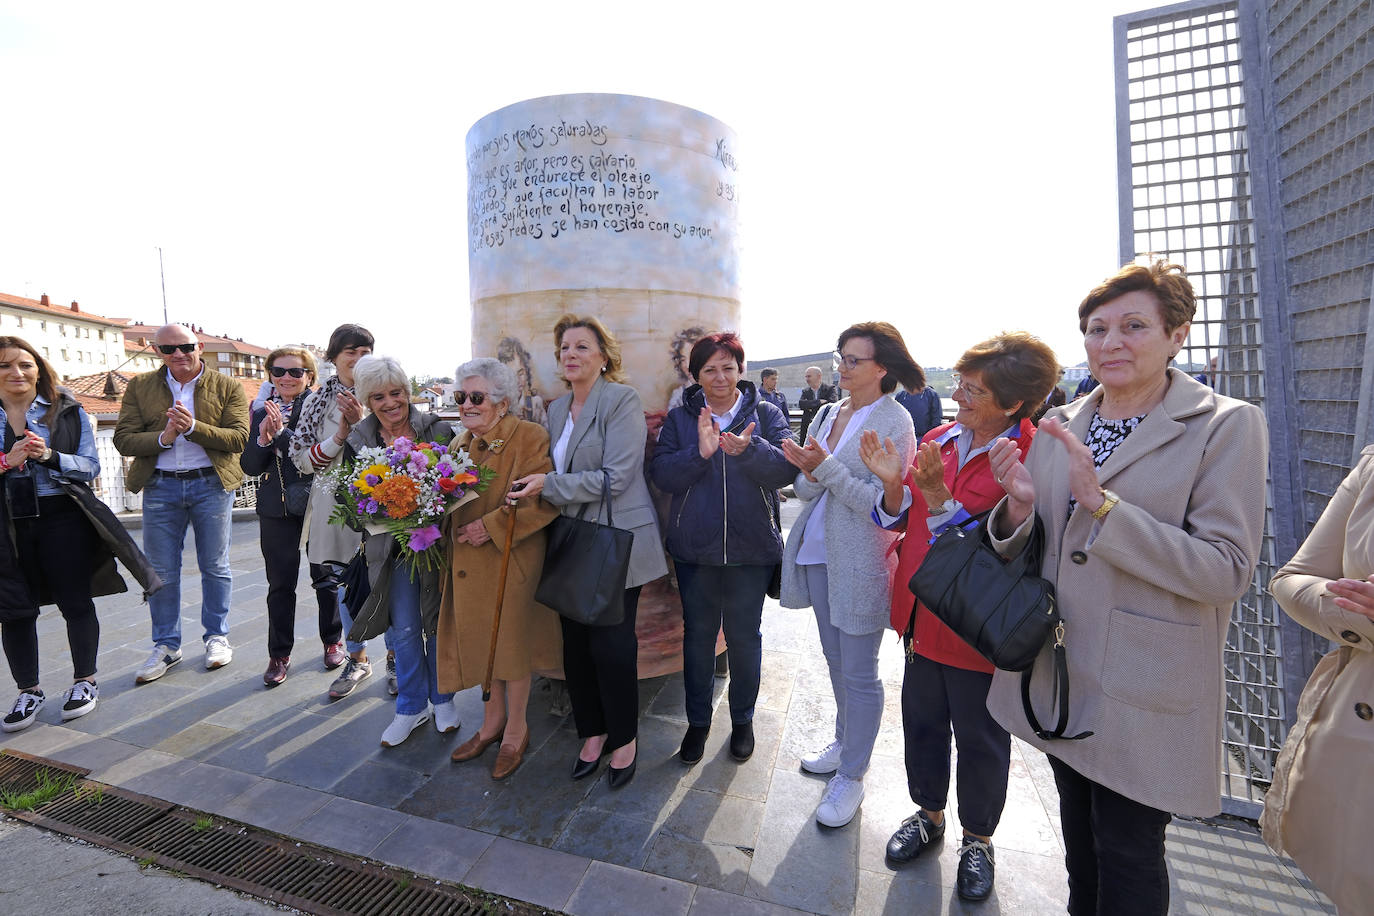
(500, 600)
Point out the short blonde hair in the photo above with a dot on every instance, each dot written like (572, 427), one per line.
(301, 353)
(610, 347)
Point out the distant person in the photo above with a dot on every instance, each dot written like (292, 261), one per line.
(59, 553)
(768, 390)
(812, 397)
(1151, 493)
(1056, 398)
(1209, 378)
(185, 426)
(1086, 384)
(924, 407)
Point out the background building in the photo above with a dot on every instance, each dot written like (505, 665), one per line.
(1245, 141)
(75, 342)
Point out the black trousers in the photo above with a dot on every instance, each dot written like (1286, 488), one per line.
(934, 698)
(280, 540)
(57, 552)
(602, 668)
(1113, 848)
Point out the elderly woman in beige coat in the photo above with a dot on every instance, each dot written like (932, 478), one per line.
(528, 638)
(1151, 491)
(1320, 807)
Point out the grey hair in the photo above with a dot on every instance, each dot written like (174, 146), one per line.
(376, 373)
(500, 378)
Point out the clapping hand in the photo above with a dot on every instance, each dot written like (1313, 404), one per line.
(272, 423)
(883, 460)
(929, 474)
(805, 458)
(179, 423)
(735, 445)
(1354, 595)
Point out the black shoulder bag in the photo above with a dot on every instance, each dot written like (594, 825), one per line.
(1003, 609)
(586, 564)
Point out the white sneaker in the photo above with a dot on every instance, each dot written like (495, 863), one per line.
(401, 726)
(156, 666)
(446, 718)
(217, 652)
(24, 712)
(80, 699)
(841, 801)
(826, 760)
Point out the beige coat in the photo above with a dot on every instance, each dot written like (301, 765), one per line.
(529, 638)
(1320, 807)
(1146, 594)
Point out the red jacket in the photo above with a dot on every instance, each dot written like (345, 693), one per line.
(978, 491)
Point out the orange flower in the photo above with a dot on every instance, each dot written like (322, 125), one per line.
(398, 495)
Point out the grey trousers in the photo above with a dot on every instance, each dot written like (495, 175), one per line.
(853, 663)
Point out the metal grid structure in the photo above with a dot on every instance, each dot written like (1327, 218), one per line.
(1186, 164)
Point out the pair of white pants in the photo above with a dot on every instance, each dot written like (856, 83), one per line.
(853, 663)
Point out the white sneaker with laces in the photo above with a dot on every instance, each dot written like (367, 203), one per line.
(826, 760)
(446, 718)
(79, 699)
(401, 726)
(156, 666)
(24, 712)
(217, 652)
(841, 801)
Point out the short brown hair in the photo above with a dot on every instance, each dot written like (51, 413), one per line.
(890, 352)
(1166, 280)
(610, 347)
(47, 377)
(706, 348)
(301, 353)
(1015, 366)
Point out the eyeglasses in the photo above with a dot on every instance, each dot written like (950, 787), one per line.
(279, 371)
(851, 362)
(462, 397)
(972, 391)
(169, 349)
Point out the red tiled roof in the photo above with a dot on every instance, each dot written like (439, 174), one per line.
(72, 311)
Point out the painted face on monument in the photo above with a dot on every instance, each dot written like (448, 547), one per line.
(579, 354)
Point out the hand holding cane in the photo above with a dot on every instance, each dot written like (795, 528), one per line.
(500, 600)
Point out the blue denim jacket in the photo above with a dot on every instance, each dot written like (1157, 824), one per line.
(83, 465)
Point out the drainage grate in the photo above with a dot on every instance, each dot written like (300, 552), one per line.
(309, 878)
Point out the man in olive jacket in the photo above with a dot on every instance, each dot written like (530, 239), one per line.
(185, 426)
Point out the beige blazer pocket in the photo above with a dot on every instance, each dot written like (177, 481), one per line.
(1153, 664)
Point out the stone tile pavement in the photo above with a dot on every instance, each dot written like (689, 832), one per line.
(719, 838)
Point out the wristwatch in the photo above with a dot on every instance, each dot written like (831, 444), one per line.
(946, 506)
(1109, 501)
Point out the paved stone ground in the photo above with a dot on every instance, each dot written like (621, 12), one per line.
(719, 837)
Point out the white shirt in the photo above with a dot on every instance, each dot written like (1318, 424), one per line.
(183, 454)
(812, 549)
(560, 448)
(725, 419)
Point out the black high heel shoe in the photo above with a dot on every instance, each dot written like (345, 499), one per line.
(621, 777)
(584, 768)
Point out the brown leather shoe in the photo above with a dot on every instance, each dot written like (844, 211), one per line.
(276, 671)
(508, 761)
(333, 656)
(473, 747)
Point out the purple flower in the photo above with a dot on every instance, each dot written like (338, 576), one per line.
(418, 462)
(369, 505)
(372, 480)
(401, 446)
(441, 449)
(422, 538)
(444, 468)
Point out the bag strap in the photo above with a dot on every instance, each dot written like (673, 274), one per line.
(1061, 694)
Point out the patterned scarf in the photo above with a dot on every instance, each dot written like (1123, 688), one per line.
(307, 432)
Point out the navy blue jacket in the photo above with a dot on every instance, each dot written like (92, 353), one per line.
(723, 509)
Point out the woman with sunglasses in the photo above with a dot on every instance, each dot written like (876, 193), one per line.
(837, 561)
(329, 415)
(280, 521)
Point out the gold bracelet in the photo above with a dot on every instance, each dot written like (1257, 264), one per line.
(1109, 501)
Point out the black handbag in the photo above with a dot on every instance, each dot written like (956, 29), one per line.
(1002, 608)
(295, 496)
(586, 564)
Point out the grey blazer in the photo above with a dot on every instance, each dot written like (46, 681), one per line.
(611, 433)
(860, 557)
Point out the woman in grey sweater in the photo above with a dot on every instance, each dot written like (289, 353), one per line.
(837, 561)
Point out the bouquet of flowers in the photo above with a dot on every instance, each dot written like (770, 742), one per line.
(404, 489)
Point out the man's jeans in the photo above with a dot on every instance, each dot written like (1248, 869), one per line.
(169, 506)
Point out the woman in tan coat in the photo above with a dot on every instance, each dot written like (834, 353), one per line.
(1151, 491)
(528, 638)
(1320, 808)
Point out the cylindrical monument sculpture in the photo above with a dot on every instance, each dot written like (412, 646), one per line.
(617, 206)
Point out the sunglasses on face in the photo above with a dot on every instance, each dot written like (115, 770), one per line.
(278, 372)
(462, 397)
(169, 349)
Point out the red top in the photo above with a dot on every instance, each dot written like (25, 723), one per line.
(978, 491)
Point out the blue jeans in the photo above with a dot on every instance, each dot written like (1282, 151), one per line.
(853, 663)
(416, 677)
(713, 596)
(169, 507)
